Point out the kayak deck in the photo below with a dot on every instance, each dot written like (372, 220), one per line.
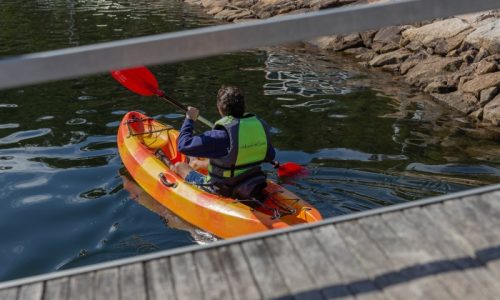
(139, 137)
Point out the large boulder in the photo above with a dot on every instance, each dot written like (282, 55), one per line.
(466, 103)
(491, 112)
(486, 36)
(481, 82)
(430, 34)
(423, 73)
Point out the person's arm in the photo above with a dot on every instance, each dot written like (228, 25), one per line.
(210, 144)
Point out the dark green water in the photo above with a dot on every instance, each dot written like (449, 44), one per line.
(369, 140)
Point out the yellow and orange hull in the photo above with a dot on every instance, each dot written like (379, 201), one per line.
(138, 139)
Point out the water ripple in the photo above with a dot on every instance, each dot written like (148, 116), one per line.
(35, 199)
(9, 125)
(8, 105)
(24, 135)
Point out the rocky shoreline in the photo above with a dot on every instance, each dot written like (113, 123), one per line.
(455, 60)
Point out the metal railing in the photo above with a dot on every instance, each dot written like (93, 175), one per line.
(191, 44)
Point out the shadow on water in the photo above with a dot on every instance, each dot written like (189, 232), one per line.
(368, 139)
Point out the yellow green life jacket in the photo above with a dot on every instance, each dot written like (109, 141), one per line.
(248, 147)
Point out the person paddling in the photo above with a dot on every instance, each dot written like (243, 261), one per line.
(235, 148)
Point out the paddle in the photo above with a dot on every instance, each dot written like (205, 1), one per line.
(141, 81)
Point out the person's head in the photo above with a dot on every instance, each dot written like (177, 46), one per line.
(230, 101)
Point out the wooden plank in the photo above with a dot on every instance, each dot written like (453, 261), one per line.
(239, 276)
(477, 228)
(8, 294)
(81, 287)
(404, 257)
(444, 241)
(159, 279)
(349, 268)
(106, 284)
(264, 270)
(132, 282)
(212, 278)
(463, 248)
(186, 282)
(32, 291)
(488, 205)
(376, 263)
(448, 274)
(318, 265)
(291, 267)
(57, 289)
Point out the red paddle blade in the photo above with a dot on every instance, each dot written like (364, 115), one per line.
(139, 80)
(290, 170)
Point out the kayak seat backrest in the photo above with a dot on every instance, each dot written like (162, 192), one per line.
(247, 186)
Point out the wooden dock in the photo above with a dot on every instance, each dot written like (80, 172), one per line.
(446, 247)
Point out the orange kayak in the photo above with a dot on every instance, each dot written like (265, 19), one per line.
(139, 137)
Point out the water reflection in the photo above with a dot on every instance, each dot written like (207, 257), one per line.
(298, 74)
(137, 194)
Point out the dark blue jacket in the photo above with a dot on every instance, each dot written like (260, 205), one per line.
(209, 144)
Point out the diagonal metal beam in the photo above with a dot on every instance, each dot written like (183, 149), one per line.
(191, 44)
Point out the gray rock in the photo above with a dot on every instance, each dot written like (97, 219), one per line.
(486, 36)
(484, 67)
(268, 8)
(492, 111)
(391, 68)
(462, 80)
(395, 57)
(242, 3)
(367, 56)
(215, 10)
(414, 46)
(430, 34)
(233, 14)
(387, 35)
(389, 48)
(412, 61)
(482, 54)
(339, 43)
(463, 102)
(445, 45)
(482, 82)
(367, 37)
(210, 4)
(424, 72)
(487, 95)
(494, 57)
(440, 86)
(357, 51)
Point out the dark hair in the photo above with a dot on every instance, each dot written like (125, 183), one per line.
(230, 101)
